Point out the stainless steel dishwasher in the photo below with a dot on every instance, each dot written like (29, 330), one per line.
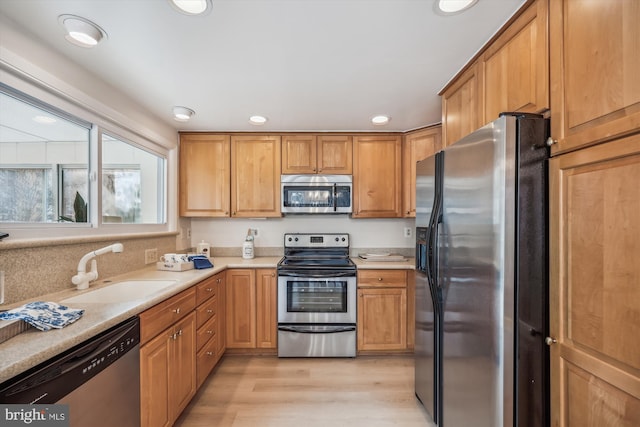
(99, 379)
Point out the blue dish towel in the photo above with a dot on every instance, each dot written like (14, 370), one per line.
(44, 315)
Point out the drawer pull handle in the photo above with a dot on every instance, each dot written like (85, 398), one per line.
(209, 353)
(379, 279)
(176, 310)
(209, 289)
(209, 311)
(210, 332)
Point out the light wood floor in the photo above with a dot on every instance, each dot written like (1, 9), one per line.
(265, 391)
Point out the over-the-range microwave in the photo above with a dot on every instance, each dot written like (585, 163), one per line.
(316, 194)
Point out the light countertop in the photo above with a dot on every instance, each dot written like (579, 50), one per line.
(33, 347)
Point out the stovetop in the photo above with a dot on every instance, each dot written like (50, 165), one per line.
(316, 251)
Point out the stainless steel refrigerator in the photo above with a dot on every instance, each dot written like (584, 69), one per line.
(481, 277)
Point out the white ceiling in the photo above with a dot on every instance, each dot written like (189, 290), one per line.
(308, 65)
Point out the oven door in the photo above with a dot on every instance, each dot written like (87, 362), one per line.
(316, 298)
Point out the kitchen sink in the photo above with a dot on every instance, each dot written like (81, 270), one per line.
(124, 291)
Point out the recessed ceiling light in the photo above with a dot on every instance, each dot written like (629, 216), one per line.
(380, 120)
(451, 7)
(182, 114)
(257, 120)
(191, 7)
(80, 31)
(45, 120)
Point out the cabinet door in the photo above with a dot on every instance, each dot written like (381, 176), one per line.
(462, 106)
(255, 176)
(240, 306)
(266, 309)
(377, 177)
(417, 146)
(516, 66)
(382, 319)
(299, 154)
(595, 285)
(595, 71)
(205, 175)
(154, 382)
(335, 154)
(182, 364)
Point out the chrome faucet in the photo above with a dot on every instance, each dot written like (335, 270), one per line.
(82, 279)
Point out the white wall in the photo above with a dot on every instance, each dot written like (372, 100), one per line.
(364, 233)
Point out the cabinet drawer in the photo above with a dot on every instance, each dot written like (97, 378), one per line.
(206, 311)
(387, 278)
(206, 332)
(161, 316)
(206, 359)
(208, 288)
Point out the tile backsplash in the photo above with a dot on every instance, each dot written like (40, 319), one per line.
(45, 267)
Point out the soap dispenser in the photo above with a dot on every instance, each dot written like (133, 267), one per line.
(247, 246)
(204, 249)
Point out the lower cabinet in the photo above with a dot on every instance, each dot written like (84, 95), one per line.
(382, 310)
(251, 308)
(168, 359)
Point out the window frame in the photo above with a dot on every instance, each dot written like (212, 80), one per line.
(98, 125)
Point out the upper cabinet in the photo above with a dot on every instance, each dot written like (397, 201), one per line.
(418, 145)
(309, 154)
(255, 175)
(595, 71)
(205, 175)
(461, 106)
(511, 73)
(377, 162)
(516, 66)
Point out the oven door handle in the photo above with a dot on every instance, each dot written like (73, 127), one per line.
(328, 274)
(314, 329)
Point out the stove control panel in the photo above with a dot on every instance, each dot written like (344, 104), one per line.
(325, 240)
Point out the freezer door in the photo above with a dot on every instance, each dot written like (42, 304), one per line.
(425, 347)
(476, 280)
(425, 190)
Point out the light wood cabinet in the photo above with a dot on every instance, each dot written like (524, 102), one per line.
(251, 308)
(240, 307)
(255, 176)
(462, 105)
(595, 71)
(310, 154)
(210, 323)
(167, 359)
(205, 175)
(510, 73)
(266, 306)
(516, 66)
(377, 176)
(418, 145)
(382, 310)
(595, 283)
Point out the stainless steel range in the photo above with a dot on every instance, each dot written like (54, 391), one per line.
(316, 297)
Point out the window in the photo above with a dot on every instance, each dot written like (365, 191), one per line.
(132, 183)
(34, 140)
(46, 165)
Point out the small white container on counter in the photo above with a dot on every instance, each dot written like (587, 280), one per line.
(204, 249)
(247, 249)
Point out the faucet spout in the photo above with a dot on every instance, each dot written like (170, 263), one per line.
(82, 279)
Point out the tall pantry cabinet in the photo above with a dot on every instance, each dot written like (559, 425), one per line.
(595, 226)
